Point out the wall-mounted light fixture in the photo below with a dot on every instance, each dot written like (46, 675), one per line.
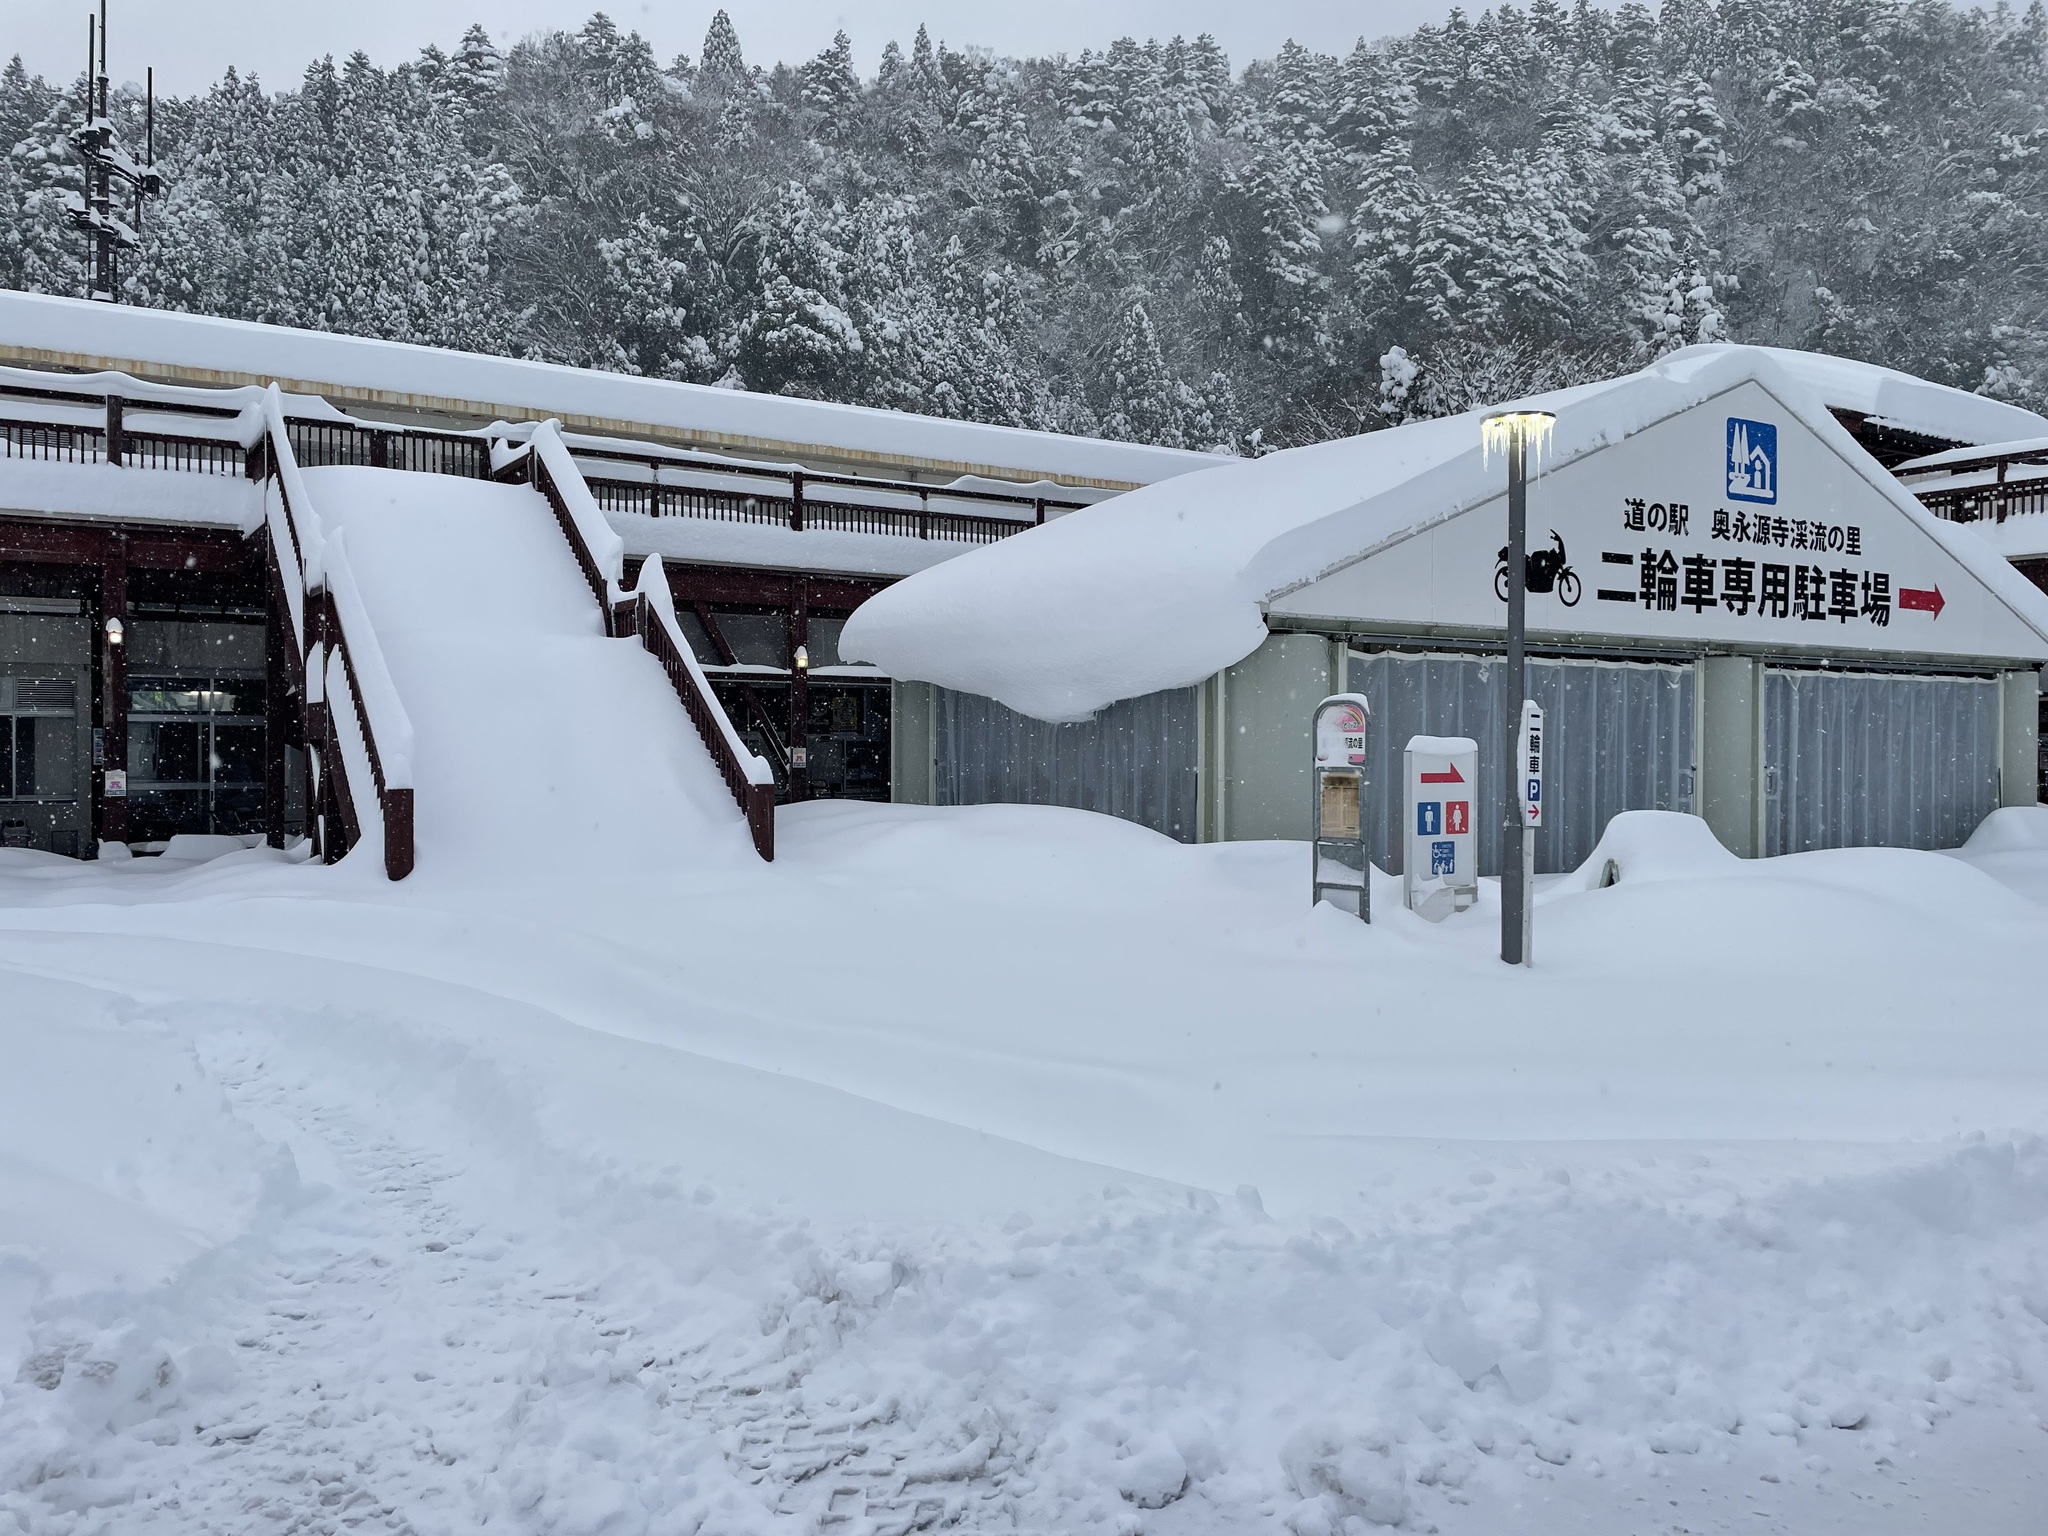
(115, 631)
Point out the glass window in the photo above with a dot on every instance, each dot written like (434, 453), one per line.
(237, 753)
(699, 638)
(166, 751)
(47, 757)
(6, 757)
(822, 640)
(25, 744)
(757, 639)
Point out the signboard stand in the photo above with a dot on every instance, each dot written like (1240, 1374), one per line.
(1341, 812)
(1517, 432)
(1440, 871)
(1528, 813)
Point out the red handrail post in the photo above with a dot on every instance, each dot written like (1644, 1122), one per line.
(398, 834)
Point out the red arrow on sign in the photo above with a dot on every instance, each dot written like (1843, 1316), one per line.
(1452, 777)
(1927, 600)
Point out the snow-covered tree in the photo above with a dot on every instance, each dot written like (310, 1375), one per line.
(1558, 188)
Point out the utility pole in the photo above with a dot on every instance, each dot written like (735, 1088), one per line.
(1516, 432)
(107, 163)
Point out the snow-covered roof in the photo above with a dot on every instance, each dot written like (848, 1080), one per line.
(46, 488)
(40, 330)
(1895, 399)
(2017, 538)
(1165, 586)
(2022, 448)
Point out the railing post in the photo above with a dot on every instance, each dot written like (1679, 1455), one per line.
(1038, 510)
(117, 433)
(796, 502)
(276, 685)
(924, 514)
(398, 838)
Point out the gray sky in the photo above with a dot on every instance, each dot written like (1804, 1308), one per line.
(190, 42)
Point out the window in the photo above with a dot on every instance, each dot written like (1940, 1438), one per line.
(195, 755)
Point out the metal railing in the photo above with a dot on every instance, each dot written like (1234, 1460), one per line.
(74, 444)
(1987, 503)
(788, 497)
(798, 512)
(319, 444)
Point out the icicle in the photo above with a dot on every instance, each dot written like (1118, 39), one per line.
(1497, 434)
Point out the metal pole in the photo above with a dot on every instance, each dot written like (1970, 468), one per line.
(1514, 891)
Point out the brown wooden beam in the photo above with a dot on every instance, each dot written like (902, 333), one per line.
(146, 546)
(799, 632)
(110, 820)
(832, 596)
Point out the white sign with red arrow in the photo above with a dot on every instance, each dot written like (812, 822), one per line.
(1440, 869)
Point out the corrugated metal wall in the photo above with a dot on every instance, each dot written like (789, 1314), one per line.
(1620, 740)
(1137, 759)
(1853, 760)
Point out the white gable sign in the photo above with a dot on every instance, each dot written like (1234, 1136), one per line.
(1730, 523)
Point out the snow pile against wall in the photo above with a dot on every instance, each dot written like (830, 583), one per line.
(1162, 587)
(241, 350)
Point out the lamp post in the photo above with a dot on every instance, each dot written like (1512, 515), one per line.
(1515, 433)
(799, 725)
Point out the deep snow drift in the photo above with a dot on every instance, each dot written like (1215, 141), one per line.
(910, 1179)
(989, 1168)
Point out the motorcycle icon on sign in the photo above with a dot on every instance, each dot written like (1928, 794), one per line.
(1547, 572)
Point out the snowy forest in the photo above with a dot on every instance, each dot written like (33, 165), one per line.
(1149, 242)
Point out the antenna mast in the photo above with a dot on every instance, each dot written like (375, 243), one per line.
(106, 163)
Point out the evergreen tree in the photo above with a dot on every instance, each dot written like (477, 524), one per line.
(830, 87)
(1136, 240)
(722, 68)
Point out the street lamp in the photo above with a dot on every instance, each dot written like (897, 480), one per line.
(1515, 433)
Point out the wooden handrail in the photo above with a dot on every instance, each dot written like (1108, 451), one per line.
(318, 442)
(329, 621)
(648, 611)
(1986, 503)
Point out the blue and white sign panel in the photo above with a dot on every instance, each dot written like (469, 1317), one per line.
(1529, 761)
(1440, 873)
(1752, 461)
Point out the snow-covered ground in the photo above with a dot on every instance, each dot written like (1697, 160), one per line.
(990, 1169)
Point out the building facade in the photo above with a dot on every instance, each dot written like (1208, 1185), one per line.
(1735, 610)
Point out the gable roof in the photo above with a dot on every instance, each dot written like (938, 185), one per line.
(1166, 586)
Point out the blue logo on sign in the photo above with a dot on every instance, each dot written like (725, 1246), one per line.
(1429, 818)
(1752, 461)
(1443, 858)
(1535, 791)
